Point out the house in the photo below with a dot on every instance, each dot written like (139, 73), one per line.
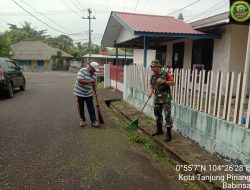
(35, 55)
(102, 58)
(105, 59)
(213, 43)
(200, 112)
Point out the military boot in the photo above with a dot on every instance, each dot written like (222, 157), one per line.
(158, 131)
(168, 135)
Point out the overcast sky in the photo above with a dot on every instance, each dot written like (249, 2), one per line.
(66, 15)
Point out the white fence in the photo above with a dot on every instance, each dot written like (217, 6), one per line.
(220, 95)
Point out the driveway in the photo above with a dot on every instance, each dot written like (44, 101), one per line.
(43, 147)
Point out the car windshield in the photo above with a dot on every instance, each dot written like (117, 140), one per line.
(11, 65)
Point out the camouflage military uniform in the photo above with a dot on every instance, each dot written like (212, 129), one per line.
(162, 100)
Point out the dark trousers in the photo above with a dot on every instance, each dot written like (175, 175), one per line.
(90, 106)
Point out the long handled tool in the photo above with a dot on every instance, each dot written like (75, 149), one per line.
(133, 125)
(100, 118)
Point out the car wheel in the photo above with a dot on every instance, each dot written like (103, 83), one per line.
(10, 91)
(23, 86)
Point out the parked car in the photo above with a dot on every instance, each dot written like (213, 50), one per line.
(11, 77)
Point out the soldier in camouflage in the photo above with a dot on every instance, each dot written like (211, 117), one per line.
(160, 86)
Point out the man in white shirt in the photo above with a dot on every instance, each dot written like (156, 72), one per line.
(83, 90)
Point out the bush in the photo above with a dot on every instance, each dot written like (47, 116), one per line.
(100, 78)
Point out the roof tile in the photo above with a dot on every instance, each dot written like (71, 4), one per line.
(34, 50)
(156, 23)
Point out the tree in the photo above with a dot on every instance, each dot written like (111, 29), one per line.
(16, 35)
(12, 26)
(80, 50)
(10, 37)
(62, 42)
(33, 33)
(4, 46)
(27, 32)
(59, 60)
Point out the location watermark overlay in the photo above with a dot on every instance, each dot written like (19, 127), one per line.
(230, 179)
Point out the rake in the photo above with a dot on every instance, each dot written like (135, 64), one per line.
(133, 125)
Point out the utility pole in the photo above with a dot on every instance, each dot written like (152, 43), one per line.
(89, 17)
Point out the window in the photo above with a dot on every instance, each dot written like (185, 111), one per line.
(161, 54)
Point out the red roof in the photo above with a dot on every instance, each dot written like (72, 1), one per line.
(155, 23)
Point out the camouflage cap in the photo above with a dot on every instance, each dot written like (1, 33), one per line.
(155, 63)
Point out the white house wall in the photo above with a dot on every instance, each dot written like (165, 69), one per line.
(124, 35)
(221, 54)
(239, 36)
(139, 56)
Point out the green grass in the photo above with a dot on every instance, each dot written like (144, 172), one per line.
(193, 186)
(145, 143)
(234, 181)
(149, 146)
(217, 184)
(100, 84)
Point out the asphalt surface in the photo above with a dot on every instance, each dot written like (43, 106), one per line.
(43, 147)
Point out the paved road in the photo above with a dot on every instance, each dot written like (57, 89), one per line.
(43, 147)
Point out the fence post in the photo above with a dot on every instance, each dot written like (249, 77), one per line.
(209, 92)
(201, 85)
(248, 114)
(142, 78)
(176, 84)
(242, 97)
(133, 76)
(148, 79)
(238, 101)
(107, 81)
(228, 96)
(181, 86)
(144, 73)
(185, 88)
(217, 101)
(125, 81)
(173, 88)
(193, 89)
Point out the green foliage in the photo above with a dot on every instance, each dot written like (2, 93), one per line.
(100, 84)
(11, 37)
(33, 33)
(16, 35)
(28, 33)
(4, 46)
(59, 62)
(193, 186)
(95, 49)
(149, 146)
(100, 78)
